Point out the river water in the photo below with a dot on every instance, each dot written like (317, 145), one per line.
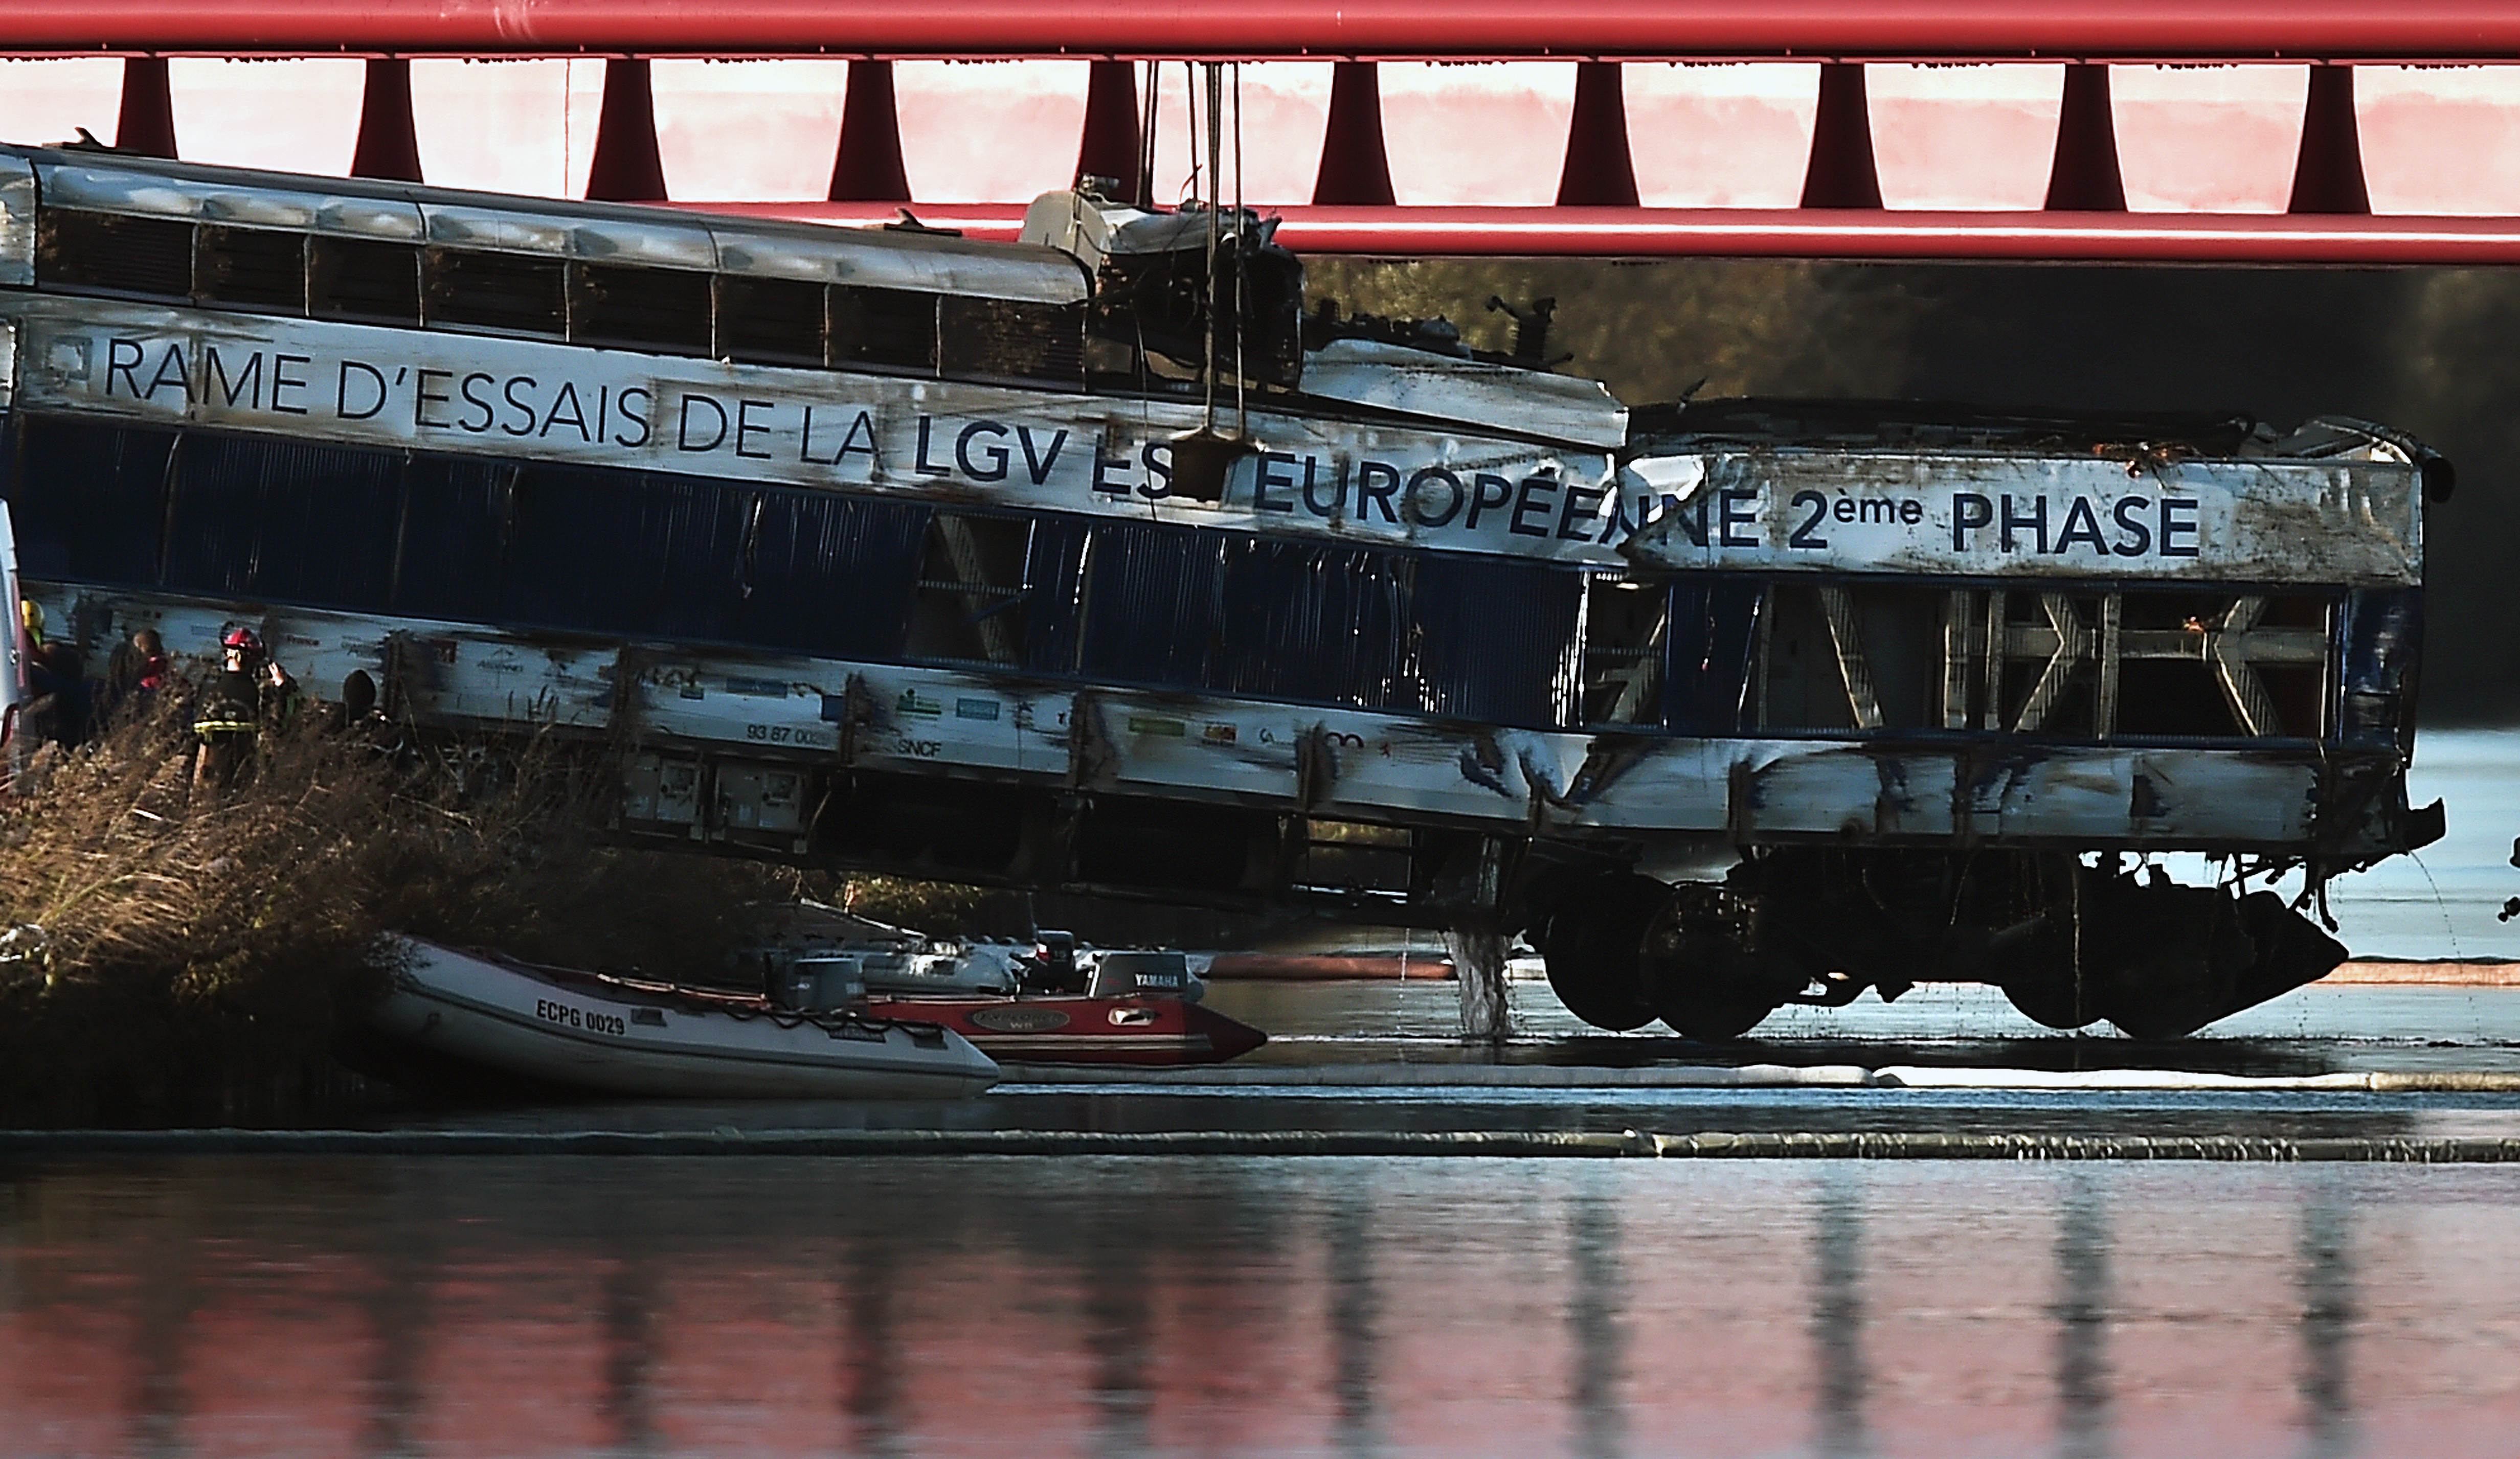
(1224, 1306)
(1211, 1305)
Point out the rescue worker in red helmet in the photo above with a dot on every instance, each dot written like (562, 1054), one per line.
(247, 695)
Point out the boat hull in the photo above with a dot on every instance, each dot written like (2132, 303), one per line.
(585, 1033)
(1079, 1028)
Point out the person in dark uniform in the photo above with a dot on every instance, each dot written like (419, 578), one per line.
(133, 674)
(247, 695)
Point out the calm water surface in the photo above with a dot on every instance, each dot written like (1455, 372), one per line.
(1237, 1307)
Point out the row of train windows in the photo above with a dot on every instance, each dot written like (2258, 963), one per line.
(621, 306)
(679, 559)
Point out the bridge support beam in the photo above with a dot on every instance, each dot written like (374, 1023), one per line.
(1599, 171)
(389, 144)
(626, 167)
(2329, 176)
(146, 123)
(1110, 144)
(2085, 177)
(1356, 171)
(868, 167)
(1841, 172)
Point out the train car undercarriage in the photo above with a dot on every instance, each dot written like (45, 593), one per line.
(2069, 940)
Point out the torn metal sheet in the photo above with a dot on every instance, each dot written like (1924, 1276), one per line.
(1370, 767)
(16, 222)
(2018, 514)
(149, 187)
(1457, 389)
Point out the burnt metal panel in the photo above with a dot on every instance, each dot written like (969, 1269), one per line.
(1713, 639)
(363, 281)
(88, 501)
(890, 327)
(770, 321)
(1011, 340)
(454, 538)
(1153, 603)
(826, 574)
(1308, 621)
(283, 521)
(1496, 641)
(491, 291)
(651, 556)
(249, 268)
(107, 253)
(630, 306)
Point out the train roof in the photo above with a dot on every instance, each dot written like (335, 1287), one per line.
(104, 180)
(1942, 428)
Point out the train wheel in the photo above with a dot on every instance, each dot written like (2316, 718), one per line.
(2048, 991)
(1713, 1015)
(1707, 981)
(2180, 955)
(2055, 997)
(1595, 950)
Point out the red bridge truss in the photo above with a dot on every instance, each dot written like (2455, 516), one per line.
(2225, 131)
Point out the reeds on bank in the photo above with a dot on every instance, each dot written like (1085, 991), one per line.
(175, 949)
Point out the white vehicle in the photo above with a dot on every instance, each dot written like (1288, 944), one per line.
(617, 1037)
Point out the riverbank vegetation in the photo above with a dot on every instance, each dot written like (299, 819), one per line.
(175, 951)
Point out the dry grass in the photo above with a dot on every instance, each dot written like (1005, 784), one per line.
(184, 953)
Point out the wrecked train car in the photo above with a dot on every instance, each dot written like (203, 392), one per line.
(1090, 562)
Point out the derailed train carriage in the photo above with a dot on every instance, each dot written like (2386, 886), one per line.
(1091, 563)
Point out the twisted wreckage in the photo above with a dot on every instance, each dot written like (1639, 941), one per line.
(1093, 562)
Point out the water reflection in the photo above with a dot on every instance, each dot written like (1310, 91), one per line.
(2326, 1324)
(871, 1348)
(1142, 1308)
(1596, 1328)
(629, 1358)
(2082, 1312)
(1837, 1316)
(1349, 1238)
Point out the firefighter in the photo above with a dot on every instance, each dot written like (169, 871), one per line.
(247, 695)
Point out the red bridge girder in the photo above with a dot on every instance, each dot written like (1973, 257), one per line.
(1873, 234)
(2415, 30)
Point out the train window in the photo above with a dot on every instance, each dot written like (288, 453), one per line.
(2213, 664)
(770, 321)
(1006, 339)
(509, 291)
(1862, 657)
(365, 281)
(971, 590)
(110, 254)
(1625, 625)
(249, 268)
(629, 307)
(894, 328)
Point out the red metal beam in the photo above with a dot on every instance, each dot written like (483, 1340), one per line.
(2440, 30)
(2344, 239)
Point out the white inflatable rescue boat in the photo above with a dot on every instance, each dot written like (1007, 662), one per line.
(625, 1037)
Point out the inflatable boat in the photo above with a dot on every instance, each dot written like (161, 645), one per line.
(622, 1035)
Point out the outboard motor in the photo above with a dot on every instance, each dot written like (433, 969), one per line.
(819, 983)
(1118, 975)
